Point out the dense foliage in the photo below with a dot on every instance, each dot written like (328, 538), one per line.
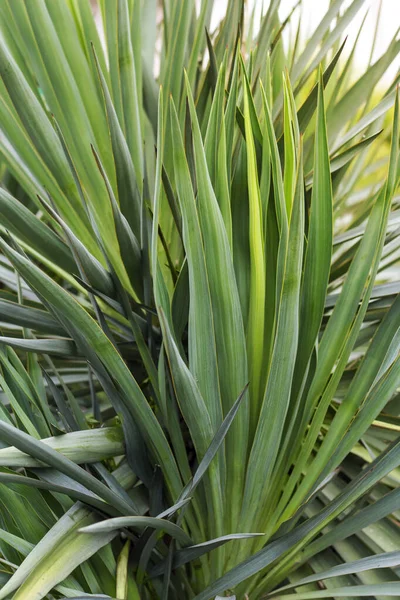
(199, 351)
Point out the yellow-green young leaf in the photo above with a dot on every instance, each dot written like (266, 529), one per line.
(223, 186)
(230, 112)
(122, 572)
(279, 380)
(255, 123)
(157, 187)
(160, 291)
(279, 193)
(255, 325)
(289, 181)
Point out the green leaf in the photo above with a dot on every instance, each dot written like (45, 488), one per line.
(72, 492)
(128, 190)
(56, 555)
(318, 253)
(316, 38)
(20, 221)
(29, 317)
(231, 356)
(47, 455)
(298, 538)
(131, 102)
(342, 159)
(64, 304)
(213, 447)
(345, 322)
(139, 522)
(99, 278)
(355, 523)
(36, 122)
(384, 590)
(308, 107)
(191, 553)
(377, 561)
(89, 446)
(361, 90)
(54, 347)
(384, 105)
(128, 243)
(202, 349)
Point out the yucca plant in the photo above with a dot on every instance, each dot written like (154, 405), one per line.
(199, 309)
